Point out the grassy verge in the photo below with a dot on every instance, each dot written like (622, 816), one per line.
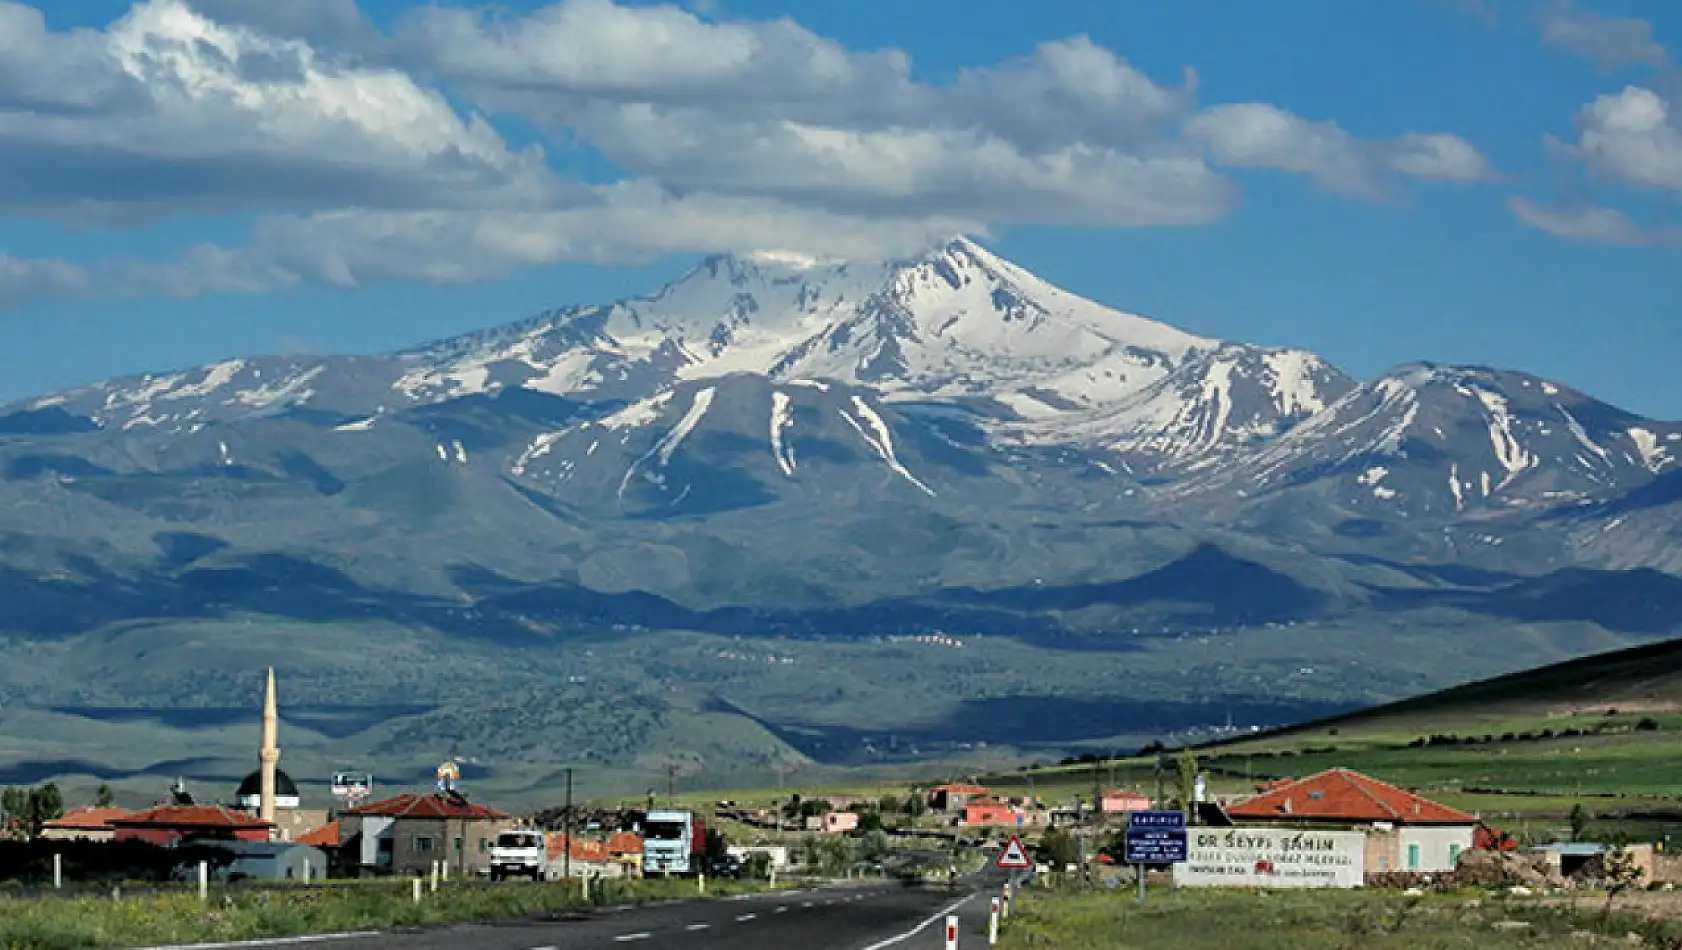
(234, 914)
(1311, 920)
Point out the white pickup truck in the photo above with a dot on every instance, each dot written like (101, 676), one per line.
(523, 852)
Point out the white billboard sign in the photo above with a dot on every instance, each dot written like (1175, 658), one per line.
(1272, 857)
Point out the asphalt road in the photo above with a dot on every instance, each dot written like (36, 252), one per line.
(860, 916)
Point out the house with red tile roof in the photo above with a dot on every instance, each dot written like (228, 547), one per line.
(85, 824)
(327, 836)
(1405, 832)
(406, 834)
(170, 825)
(951, 798)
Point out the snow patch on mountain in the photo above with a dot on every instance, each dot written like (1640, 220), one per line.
(1654, 454)
(781, 421)
(881, 439)
(673, 438)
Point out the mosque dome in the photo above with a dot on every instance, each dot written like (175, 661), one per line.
(250, 794)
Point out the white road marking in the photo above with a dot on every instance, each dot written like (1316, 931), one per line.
(697, 927)
(269, 941)
(744, 918)
(781, 910)
(805, 903)
(914, 931)
(627, 938)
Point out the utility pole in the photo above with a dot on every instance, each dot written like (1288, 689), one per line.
(1158, 802)
(671, 783)
(566, 862)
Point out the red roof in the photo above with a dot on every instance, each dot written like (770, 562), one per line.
(327, 836)
(583, 849)
(625, 842)
(190, 816)
(1342, 795)
(427, 806)
(83, 819)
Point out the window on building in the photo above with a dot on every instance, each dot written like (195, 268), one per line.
(458, 846)
(423, 844)
(1454, 855)
(1413, 857)
(484, 845)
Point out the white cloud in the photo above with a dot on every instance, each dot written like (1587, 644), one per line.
(1437, 157)
(1260, 135)
(24, 281)
(1632, 137)
(731, 135)
(169, 110)
(1610, 42)
(1591, 223)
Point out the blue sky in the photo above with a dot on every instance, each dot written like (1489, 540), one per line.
(1379, 181)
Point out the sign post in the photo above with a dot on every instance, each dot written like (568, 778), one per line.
(1014, 857)
(952, 933)
(993, 924)
(1154, 837)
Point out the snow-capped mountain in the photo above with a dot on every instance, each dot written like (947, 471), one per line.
(957, 324)
(1438, 440)
(957, 380)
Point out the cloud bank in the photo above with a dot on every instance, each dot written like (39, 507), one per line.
(361, 155)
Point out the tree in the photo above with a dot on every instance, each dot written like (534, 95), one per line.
(915, 805)
(890, 805)
(1185, 778)
(1579, 821)
(718, 847)
(104, 798)
(1059, 848)
(757, 867)
(1620, 873)
(25, 810)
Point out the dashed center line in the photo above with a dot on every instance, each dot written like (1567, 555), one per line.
(697, 927)
(781, 910)
(626, 938)
(743, 918)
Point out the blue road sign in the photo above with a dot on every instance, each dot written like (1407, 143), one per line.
(1155, 846)
(1157, 819)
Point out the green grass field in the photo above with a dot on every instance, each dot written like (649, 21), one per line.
(236, 914)
(1310, 920)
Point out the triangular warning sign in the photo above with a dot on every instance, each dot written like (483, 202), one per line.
(1014, 856)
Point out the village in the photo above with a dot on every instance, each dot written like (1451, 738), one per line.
(1334, 829)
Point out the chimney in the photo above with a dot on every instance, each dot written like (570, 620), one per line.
(1287, 807)
(270, 753)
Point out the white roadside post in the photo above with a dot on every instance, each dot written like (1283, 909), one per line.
(58, 871)
(993, 924)
(435, 875)
(417, 883)
(204, 881)
(584, 883)
(701, 882)
(444, 866)
(306, 870)
(952, 932)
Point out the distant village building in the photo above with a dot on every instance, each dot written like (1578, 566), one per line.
(406, 833)
(171, 825)
(273, 861)
(269, 793)
(839, 822)
(990, 811)
(1122, 801)
(1405, 832)
(84, 824)
(951, 798)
